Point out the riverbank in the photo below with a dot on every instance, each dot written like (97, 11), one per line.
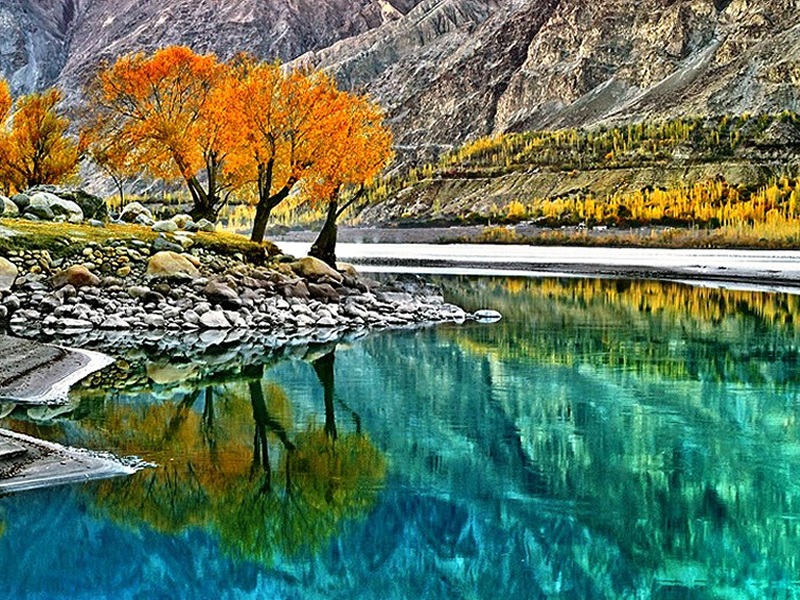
(39, 374)
(754, 269)
(167, 282)
(28, 463)
(755, 237)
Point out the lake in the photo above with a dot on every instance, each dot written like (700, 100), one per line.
(606, 439)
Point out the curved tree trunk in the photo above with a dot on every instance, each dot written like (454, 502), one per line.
(324, 248)
(267, 203)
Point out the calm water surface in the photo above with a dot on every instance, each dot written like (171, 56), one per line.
(607, 439)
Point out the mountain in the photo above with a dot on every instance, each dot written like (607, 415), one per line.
(43, 42)
(452, 70)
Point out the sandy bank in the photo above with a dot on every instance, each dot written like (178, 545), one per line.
(764, 269)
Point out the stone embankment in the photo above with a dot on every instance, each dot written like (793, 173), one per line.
(134, 286)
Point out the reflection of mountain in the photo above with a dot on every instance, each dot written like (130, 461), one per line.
(600, 442)
(645, 327)
(673, 433)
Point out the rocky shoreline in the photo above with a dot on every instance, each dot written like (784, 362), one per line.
(134, 286)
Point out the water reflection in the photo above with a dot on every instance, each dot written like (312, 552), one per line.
(606, 439)
(231, 460)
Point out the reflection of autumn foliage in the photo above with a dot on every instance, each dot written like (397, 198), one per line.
(217, 451)
(324, 482)
(660, 319)
(195, 461)
(336, 475)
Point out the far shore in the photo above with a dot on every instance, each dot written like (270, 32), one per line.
(768, 270)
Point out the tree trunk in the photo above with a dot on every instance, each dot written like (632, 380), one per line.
(206, 202)
(266, 204)
(200, 209)
(324, 247)
(263, 210)
(323, 366)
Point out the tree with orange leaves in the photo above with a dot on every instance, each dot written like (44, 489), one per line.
(359, 148)
(5, 110)
(35, 148)
(284, 118)
(113, 151)
(5, 100)
(174, 119)
(301, 133)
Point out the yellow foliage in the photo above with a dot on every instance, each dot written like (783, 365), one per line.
(35, 147)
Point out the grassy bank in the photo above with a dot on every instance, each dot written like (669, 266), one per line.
(67, 239)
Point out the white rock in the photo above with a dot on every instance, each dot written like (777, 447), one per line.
(130, 213)
(73, 324)
(60, 207)
(8, 274)
(8, 208)
(326, 321)
(191, 317)
(487, 315)
(154, 321)
(165, 226)
(114, 322)
(214, 319)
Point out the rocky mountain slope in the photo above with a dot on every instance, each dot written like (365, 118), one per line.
(455, 69)
(61, 41)
(451, 70)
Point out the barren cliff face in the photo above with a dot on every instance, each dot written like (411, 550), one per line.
(34, 40)
(449, 70)
(47, 41)
(455, 69)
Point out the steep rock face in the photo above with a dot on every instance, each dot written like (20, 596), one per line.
(34, 40)
(281, 29)
(62, 41)
(451, 70)
(615, 60)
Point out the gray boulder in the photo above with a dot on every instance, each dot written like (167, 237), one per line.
(323, 291)
(161, 244)
(222, 294)
(8, 208)
(43, 204)
(295, 289)
(132, 211)
(206, 225)
(93, 207)
(21, 200)
(165, 226)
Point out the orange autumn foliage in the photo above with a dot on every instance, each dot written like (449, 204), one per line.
(170, 115)
(242, 125)
(5, 100)
(35, 148)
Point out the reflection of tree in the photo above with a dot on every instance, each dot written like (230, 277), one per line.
(238, 466)
(323, 366)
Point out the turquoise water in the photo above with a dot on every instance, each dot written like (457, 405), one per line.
(607, 439)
